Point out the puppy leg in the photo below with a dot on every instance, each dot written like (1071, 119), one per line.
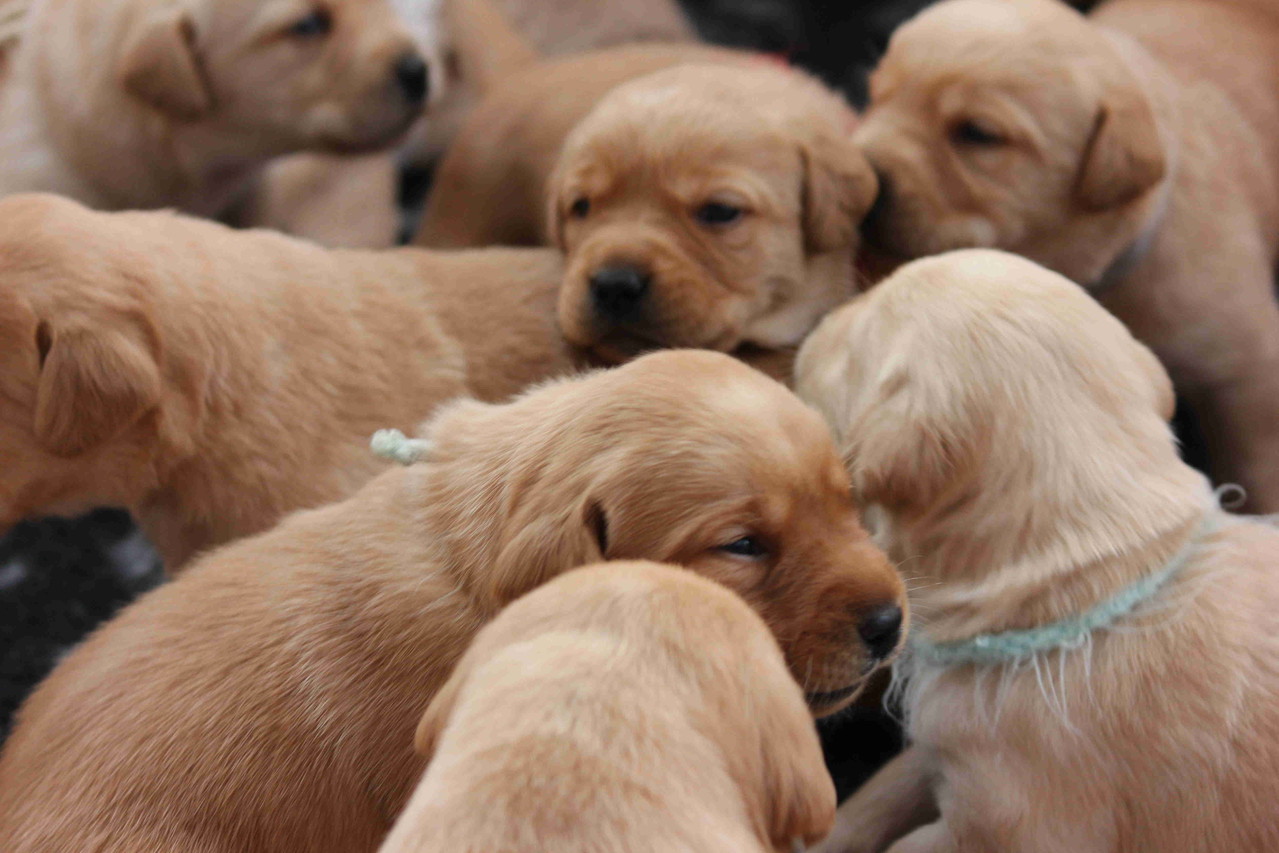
(896, 800)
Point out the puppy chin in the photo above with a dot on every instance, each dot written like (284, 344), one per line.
(336, 135)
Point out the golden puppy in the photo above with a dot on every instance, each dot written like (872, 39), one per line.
(266, 700)
(708, 206)
(490, 187)
(1121, 152)
(143, 104)
(212, 381)
(1098, 664)
(622, 707)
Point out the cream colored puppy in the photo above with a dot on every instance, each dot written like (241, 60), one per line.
(625, 707)
(708, 205)
(1120, 151)
(1098, 664)
(266, 700)
(179, 103)
(213, 381)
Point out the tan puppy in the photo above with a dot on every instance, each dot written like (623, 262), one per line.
(490, 187)
(266, 700)
(141, 104)
(1098, 667)
(1120, 151)
(708, 206)
(212, 381)
(624, 707)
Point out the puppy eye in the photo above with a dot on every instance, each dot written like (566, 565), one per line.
(580, 208)
(747, 546)
(318, 23)
(972, 133)
(718, 213)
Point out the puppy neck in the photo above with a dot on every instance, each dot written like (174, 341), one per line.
(1036, 552)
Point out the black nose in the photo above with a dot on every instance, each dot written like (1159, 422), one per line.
(880, 629)
(411, 74)
(619, 290)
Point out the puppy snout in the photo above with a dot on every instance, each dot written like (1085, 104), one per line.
(412, 76)
(618, 291)
(881, 629)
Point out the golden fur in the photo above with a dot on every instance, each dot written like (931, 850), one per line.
(490, 186)
(1009, 439)
(1123, 151)
(625, 707)
(637, 176)
(266, 699)
(212, 381)
(144, 104)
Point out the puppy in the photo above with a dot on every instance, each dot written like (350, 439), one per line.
(490, 186)
(1098, 665)
(266, 700)
(143, 104)
(212, 381)
(708, 206)
(624, 707)
(1121, 152)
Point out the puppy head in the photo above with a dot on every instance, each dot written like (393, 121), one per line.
(706, 652)
(692, 204)
(687, 457)
(80, 375)
(343, 75)
(1006, 123)
(979, 376)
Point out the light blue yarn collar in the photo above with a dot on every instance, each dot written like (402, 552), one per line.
(1012, 646)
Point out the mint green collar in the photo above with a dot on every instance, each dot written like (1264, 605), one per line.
(1011, 646)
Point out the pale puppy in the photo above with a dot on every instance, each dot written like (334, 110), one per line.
(1010, 439)
(266, 699)
(180, 103)
(626, 707)
(1135, 152)
(213, 381)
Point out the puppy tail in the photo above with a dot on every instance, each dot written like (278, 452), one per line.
(486, 45)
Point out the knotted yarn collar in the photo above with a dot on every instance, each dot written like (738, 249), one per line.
(1020, 645)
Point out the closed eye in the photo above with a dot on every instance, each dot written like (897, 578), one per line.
(975, 134)
(317, 23)
(747, 546)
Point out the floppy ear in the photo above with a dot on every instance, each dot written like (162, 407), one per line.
(94, 382)
(838, 190)
(1125, 156)
(554, 218)
(437, 714)
(160, 66)
(546, 546)
(1164, 395)
(909, 446)
(801, 793)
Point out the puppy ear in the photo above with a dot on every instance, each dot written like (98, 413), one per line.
(838, 190)
(94, 382)
(437, 714)
(160, 67)
(554, 216)
(802, 794)
(1125, 156)
(547, 545)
